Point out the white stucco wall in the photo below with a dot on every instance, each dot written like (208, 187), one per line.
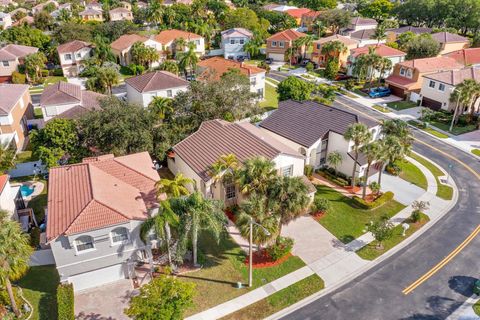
(234, 50)
(50, 112)
(257, 82)
(144, 98)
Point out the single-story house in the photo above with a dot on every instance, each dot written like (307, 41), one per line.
(392, 54)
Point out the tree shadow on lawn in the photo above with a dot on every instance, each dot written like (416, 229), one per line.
(186, 276)
(441, 308)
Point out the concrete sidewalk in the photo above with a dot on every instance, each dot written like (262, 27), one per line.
(465, 312)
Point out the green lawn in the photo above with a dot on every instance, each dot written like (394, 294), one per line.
(38, 113)
(345, 221)
(476, 308)
(53, 79)
(430, 130)
(39, 287)
(381, 109)
(412, 174)
(25, 156)
(223, 267)
(360, 92)
(271, 97)
(457, 129)
(279, 300)
(476, 152)
(401, 105)
(370, 251)
(445, 192)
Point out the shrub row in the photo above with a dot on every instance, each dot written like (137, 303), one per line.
(280, 248)
(65, 302)
(362, 204)
(35, 237)
(339, 179)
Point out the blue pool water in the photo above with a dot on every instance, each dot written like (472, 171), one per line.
(26, 190)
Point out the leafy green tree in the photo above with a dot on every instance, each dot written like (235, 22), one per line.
(335, 19)
(359, 134)
(279, 21)
(66, 31)
(331, 69)
(26, 36)
(381, 230)
(188, 60)
(318, 4)
(64, 15)
(423, 46)
(143, 55)
(379, 33)
(295, 89)
(333, 49)
(404, 39)
(43, 20)
(376, 9)
(334, 159)
(102, 51)
(112, 30)
(252, 48)
(160, 107)
(15, 251)
(170, 66)
(104, 79)
(155, 12)
(34, 63)
(248, 19)
(165, 297)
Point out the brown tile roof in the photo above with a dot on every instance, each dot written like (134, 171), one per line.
(432, 64)
(297, 13)
(73, 46)
(416, 30)
(288, 35)
(363, 34)
(465, 56)
(100, 192)
(156, 80)
(10, 94)
(454, 77)
(215, 138)
(381, 50)
(345, 40)
(13, 51)
(90, 101)
(308, 121)
(61, 93)
(167, 36)
(119, 10)
(215, 67)
(400, 81)
(126, 41)
(359, 21)
(447, 37)
(90, 12)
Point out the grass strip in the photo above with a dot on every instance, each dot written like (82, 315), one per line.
(443, 191)
(412, 174)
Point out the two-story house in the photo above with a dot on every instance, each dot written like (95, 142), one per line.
(39, 7)
(308, 19)
(278, 44)
(392, 54)
(168, 39)
(120, 14)
(73, 55)
(143, 88)
(11, 56)
(394, 33)
(364, 37)
(15, 109)
(407, 76)
(214, 68)
(91, 15)
(121, 48)
(95, 210)
(450, 42)
(358, 24)
(67, 100)
(438, 87)
(126, 5)
(233, 42)
(319, 58)
(297, 14)
(5, 20)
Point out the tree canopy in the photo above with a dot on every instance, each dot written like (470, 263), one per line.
(422, 46)
(295, 89)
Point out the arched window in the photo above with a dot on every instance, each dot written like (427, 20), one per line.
(119, 235)
(84, 243)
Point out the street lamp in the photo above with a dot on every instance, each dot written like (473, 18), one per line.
(250, 253)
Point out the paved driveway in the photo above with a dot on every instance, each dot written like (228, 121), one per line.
(404, 191)
(104, 303)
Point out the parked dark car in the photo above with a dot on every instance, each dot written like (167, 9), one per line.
(269, 61)
(379, 92)
(190, 77)
(240, 58)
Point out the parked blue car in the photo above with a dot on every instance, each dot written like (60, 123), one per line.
(379, 92)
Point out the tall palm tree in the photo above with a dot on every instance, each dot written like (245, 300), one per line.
(188, 59)
(180, 44)
(393, 149)
(319, 25)
(399, 129)
(15, 251)
(251, 48)
(175, 187)
(290, 54)
(155, 12)
(371, 152)
(160, 107)
(382, 158)
(379, 33)
(384, 66)
(359, 134)
(332, 50)
(256, 175)
(334, 159)
(108, 77)
(307, 41)
(226, 168)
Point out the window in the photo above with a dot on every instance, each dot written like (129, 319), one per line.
(281, 44)
(242, 41)
(287, 171)
(260, 92)
(84, 243)
(253, 81)
(318, 46)
(441, 87)
(197, 42)
(5, 63)
(431, 84)
(169, 93)
(230, 191)
(232, 41)
(402, 71)
(78, 55)
(68, 56)
(274, 43)
(409, 73)
(119, 235)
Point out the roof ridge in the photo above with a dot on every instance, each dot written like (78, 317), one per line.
(134, 170)
(256, 137)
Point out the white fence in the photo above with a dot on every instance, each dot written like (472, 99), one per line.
(27, 169)
(41, 258)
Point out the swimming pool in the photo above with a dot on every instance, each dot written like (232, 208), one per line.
(26, 190)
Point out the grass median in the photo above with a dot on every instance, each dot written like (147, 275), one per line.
(443, 191)
(411, 173)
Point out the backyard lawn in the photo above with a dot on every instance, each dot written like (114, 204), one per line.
(443, 191)
(345, 221)
(279, 300)
(25, 156)
(38, 113)
(39, 287)
(401, 105)
(223, 267)
(412, 174)
(271, 97)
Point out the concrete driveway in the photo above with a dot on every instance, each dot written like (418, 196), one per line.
(104, 303)
(404, 191)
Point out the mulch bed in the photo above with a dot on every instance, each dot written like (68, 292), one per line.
(353, 190)
(318, 215)
(230, 215)
(262, 260)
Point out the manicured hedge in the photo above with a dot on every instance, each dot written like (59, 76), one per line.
(35, 237)
(362, 204)
(65, 302)
(281, 248)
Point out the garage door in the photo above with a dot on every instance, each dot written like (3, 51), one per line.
(432, 104)
(397, 91)
(98, 277)
(277, 56)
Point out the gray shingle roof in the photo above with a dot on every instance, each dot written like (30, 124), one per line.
(308, 121)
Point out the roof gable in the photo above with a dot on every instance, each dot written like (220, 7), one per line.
(155, 81)
(288, 35)
(10, 95)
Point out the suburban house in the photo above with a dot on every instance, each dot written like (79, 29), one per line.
(214, 68)
(392, 34)
(91, 15)
(94, 5)
(126, 5)
(27, 20)
(73, 55)
(359, 23)
(120, 14)
(406, 79)
(142, 5)
(278, 44)
(67, 100)
(10, 197)
(15, 109)
(467, 57)
(121, 47)
(364, 37)
(450, 42)
(64, 6)
(39, 7)
(95, 210)
(282, 8)
(319, 58)
(6, 3)
(437, 88)
(314, 130)
(233, 41)
(307, 20)
(168, 38)
(5, 20)
(142, 89)
(194, 156)
(297, 14)
(394, 55)
(11, 56)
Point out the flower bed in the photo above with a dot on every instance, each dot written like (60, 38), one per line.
(231, 214)
(368, 205)
(261, 259)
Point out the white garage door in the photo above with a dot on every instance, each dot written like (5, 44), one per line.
(276, 56)
(98, 277)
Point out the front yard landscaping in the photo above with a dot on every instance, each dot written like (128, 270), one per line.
(411, 173)
(476, 308)
(430, 130)
(279, 300)
(476, 152)
(401, 105)
(370, 251)
(271, 98)
(344, 220)
(445, 192)
(381, 109)
(224, 266)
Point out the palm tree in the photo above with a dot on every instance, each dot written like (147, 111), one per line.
(179, 45)
(319, 25)
(333, 49)
(399, 129)
(170, 66)
(384, 65)
(371, 152)
(154, 12)
(256, 175)
(175, 187)
(393, 150)
(108, 77)
(359, 134)
(188, 59)
(102, 50)
(160, 107)
(251, 48)
(379, 33)
(15, 251)
(290, 53)
(382, 158)
(307, 41)
(226, 168)
(334, 159)
(34, 63)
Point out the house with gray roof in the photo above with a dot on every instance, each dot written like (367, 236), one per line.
(314, 130)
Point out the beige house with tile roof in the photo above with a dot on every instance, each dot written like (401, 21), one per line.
(91, 15)
(11, 56)
(122, 46)
(168, 37)
(279, 43)
(73, 55)
(319, 58)
(450, 42)
(120, 14)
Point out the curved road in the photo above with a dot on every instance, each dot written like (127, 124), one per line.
(377, 294)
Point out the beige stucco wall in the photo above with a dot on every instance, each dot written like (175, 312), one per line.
(450, 47)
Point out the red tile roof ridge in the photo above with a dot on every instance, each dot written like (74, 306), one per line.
(133, 169)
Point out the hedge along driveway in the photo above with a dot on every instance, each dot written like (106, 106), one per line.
(344, 220)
